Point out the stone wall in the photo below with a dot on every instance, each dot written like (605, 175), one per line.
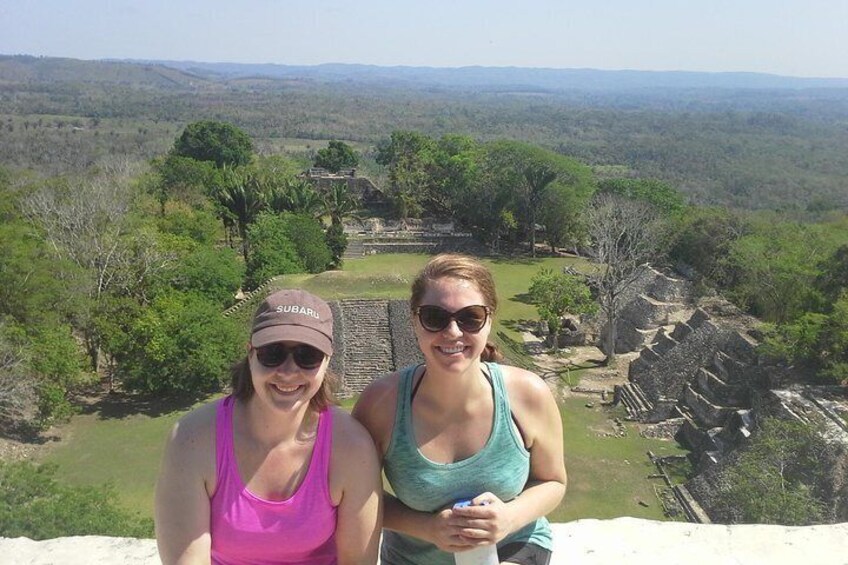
(666, 375)
(584, 542)
(405, 346)
(646, 305)
(371, 338)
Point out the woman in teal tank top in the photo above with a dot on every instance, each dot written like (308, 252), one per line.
(463, 427)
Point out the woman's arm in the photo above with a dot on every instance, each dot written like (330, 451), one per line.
(182, 500)
(355, 479)
(538, 416)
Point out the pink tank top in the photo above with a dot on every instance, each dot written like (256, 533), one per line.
(248, 529)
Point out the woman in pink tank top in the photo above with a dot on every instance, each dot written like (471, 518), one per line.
(274, 473)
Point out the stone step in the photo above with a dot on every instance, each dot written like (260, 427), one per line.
(710, 414)
(728, 369)
(368, 347)
(634, 400)
(663, 342)
(694, 512)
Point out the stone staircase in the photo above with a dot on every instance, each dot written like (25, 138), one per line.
(355, 249)
(368, 343)
(634, 400)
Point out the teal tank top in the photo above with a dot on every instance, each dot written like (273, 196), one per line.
(501, 467)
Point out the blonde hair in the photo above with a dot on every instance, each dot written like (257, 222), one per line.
(457, 266)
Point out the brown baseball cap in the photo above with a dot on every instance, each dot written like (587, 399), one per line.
(293, 315)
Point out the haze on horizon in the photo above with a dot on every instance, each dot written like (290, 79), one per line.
(803, 38)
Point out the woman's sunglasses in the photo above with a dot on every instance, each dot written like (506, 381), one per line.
(275, 354)
(470, 319)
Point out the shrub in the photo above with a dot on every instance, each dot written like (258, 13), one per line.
(181, 343)
(309, 240)
(34, 505)
(777, 477)
(272, 253)
(215, 274)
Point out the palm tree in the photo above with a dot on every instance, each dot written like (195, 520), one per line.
(297, 196)
(339, 203)
(242, 197)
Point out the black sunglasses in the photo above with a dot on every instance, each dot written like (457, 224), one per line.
(275, 354)
(470, 319)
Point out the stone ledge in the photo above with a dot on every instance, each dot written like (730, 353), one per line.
(584, 542)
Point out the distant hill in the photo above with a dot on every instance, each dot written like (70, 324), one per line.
(741, 139)
(500, 78)
(27, 69)
(164, 74)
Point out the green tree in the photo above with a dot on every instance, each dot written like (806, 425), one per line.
(35, 505)
(180, 344)
(771, 272)
(339, 203)
(337, 243)
(196, 223)
(703, 240)
(218, 142)
(558, 294)
(660, 194)
(213, 273)
(309, 241)
(537, 178)
(336, 156)
(409, 156)
(272, 252)
(295, 195)
(776, 477)
(833, 274)
(241, 198)
(183, 178)
(31, 281)
(561, 212)
(817, 340)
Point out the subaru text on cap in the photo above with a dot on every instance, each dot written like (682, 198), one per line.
(293, 315)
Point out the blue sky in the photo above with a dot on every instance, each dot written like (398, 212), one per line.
(789, 37)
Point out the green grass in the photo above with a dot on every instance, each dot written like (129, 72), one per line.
(118, 443)
(607, 476)
(122, 442)
(390, 275)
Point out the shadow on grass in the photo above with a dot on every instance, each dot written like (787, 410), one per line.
(523, 297)
(519, 325)
(120, 405)
(515, 259)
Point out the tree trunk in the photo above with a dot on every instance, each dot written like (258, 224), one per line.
(532, 232)
(611, 337)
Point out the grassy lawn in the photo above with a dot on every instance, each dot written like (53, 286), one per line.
(119, 442)
(390, 275)
(607, 475)
(122, 441)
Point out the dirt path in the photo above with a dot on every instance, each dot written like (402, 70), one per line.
(593, 380)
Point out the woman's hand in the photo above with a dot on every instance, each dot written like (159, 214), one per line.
(446, 532)
(485, 521)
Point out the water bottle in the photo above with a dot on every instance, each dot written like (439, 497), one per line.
(483, 555)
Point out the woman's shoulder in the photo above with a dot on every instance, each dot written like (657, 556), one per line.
(191, 443)
(381, 392)
(525, 388)
(349, 435)
(377, 407)
(196, 424)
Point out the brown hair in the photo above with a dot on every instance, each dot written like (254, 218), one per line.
(456, 266)
(242, 384)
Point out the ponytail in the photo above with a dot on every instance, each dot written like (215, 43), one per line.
(491, 353)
